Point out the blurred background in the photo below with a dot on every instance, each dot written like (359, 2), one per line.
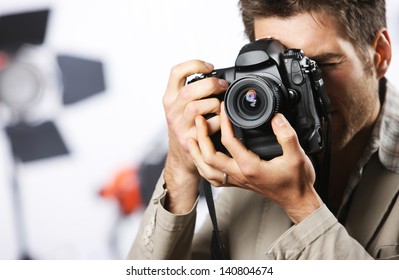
(81, 141)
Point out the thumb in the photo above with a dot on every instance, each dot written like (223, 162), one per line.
(286, 135)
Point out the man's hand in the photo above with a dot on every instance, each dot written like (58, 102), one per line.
(287, 179)
(182, 103)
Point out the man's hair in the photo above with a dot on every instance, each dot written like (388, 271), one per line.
(360, 20)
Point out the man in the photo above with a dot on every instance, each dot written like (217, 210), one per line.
(270, 209)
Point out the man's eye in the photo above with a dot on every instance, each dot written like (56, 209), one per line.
(327, 65)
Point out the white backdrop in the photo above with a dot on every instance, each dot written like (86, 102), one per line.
(138, 41)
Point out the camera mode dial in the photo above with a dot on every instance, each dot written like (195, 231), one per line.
(294, 54)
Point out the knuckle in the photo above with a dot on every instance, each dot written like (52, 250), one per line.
(301, 161)
(244, 182)
(185, 93)
(249, 171)
(170, 118)
(191, 108)
(297, 162)
(208, 85)
(214, 84)
(289, 135)
(211, 177)
(208, 159)
(166, 100)
(180, 70)
(175, 71)
(225, 140)
(216, 183)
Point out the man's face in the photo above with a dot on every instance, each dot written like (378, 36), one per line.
(353, 92)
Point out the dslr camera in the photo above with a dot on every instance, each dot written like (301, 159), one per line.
(268, 78)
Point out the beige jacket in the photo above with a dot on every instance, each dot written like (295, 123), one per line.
(254, 227)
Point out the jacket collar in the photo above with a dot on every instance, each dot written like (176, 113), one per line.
(372, 201)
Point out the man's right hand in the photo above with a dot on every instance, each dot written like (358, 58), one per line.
(182, 103)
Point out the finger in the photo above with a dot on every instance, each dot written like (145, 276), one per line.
(203, 88)
(200, 107)
(180, 72)
(205, 143)
(226, 127)
(186, 99)
(213, 124)
(178, 75)
(185, 121)
(235, 147)
(212, 158)
(248, 164)
(286, 135)
(212, 175)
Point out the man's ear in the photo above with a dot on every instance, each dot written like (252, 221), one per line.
(382, 52)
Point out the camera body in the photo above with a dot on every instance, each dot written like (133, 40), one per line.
(267, 79)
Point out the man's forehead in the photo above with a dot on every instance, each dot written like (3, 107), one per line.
(309, 32)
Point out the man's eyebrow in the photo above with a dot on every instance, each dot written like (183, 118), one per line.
(327, 56)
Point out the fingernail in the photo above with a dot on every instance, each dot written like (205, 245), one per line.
(279, 120)
(223, 83)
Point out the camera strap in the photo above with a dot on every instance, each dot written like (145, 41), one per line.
(325, 172)
(322, 189)
(325, 108)
(217, 247)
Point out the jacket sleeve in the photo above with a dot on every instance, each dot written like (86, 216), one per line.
(163, 235)
(319, 236)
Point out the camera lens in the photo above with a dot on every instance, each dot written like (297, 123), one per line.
(252, 101)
